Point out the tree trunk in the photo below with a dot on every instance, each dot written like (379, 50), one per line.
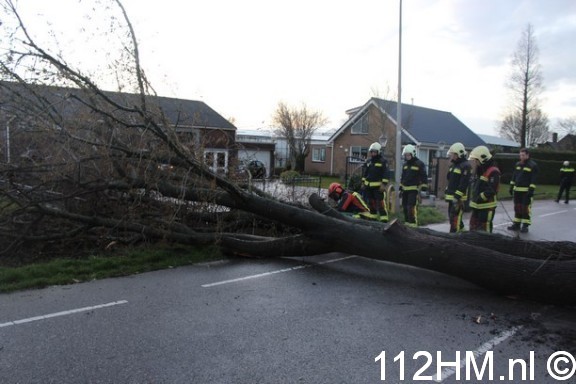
(542, 273)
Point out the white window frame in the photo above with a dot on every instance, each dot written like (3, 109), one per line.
(360, 126)
(358, 151)
(215, 166)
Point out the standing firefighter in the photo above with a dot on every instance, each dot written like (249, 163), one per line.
(457, 190)
(349, 202)
(374, 183)
(484, 190)
(413, 180)
(522, 186)
(566, 177)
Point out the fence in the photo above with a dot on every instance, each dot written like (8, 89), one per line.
(294, 190)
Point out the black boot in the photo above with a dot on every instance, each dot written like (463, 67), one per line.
(514, 227)
(524, 228)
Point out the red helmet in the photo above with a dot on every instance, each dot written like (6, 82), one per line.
(335, 190)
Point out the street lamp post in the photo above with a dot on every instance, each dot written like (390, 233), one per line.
(398, 168)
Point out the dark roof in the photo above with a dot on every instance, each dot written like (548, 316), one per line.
(179, 112)
(191, 113)
(430, 126)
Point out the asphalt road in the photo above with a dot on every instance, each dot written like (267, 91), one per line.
(333, 318)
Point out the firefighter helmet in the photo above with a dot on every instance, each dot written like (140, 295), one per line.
(375, 147)
(335, 190)
(409, 149)
(480, 153)
(457, 148)
(566, 163)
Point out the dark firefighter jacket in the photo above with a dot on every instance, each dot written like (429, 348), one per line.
(458, 180)
(485, 187)
(375, 172)
(566, 175)
(413, 175)
(524, 176)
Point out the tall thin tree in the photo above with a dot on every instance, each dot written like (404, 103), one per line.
(525, 84)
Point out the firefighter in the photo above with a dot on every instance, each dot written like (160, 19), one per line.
(349, 202)
(413, 180)
(566, 177)
(522, 186)
(457, 190)
(484, 198)
(374, 183)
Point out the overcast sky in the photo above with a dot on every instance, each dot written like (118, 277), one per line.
(242, 57)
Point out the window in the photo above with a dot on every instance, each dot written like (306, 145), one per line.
(318, 154)
(217, 161)
(358, 153)
(360, 126)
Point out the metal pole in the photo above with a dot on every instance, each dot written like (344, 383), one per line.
(398, 171)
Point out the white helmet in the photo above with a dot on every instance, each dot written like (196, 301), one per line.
(457, 148)
(375, 147)
(480, 153)
(566, 163)
(409, 148)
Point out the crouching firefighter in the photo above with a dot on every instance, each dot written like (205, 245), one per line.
(484, 190)
(347, 202)
(374, 183)
(457, 190)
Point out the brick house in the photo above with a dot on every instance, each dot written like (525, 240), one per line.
(194, 121)
(432, 131)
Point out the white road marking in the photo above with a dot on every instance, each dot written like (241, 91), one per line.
(274, 272)
(488, 346)
(553, 213)
(543, 215)
(63, 313)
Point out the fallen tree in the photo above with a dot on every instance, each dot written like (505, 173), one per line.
(91, 170)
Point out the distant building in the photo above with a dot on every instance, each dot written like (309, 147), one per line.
(567, 143)
(499, 143)
(257, 145)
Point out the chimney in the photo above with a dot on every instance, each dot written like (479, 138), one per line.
(554, 137)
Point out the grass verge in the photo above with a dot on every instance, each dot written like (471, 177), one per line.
(124, 263)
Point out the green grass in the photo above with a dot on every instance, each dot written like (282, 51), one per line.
(70, 271)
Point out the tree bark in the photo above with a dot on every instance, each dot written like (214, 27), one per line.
(544, 273)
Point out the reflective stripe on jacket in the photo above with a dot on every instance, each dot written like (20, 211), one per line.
(458, 180)
(375, 172)
(524, 176)
(485, 190)
(413, 175)
(567, 174)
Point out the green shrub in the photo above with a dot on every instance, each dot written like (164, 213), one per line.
(288, 176)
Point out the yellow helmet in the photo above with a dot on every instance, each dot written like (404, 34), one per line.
(409, 148)
(375, 147)
(480, 153)
(457, 148)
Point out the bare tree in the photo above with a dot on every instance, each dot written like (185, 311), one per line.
(511, 127)
(526, 123)
(297, 125)
(93, 177)
(567, 126)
